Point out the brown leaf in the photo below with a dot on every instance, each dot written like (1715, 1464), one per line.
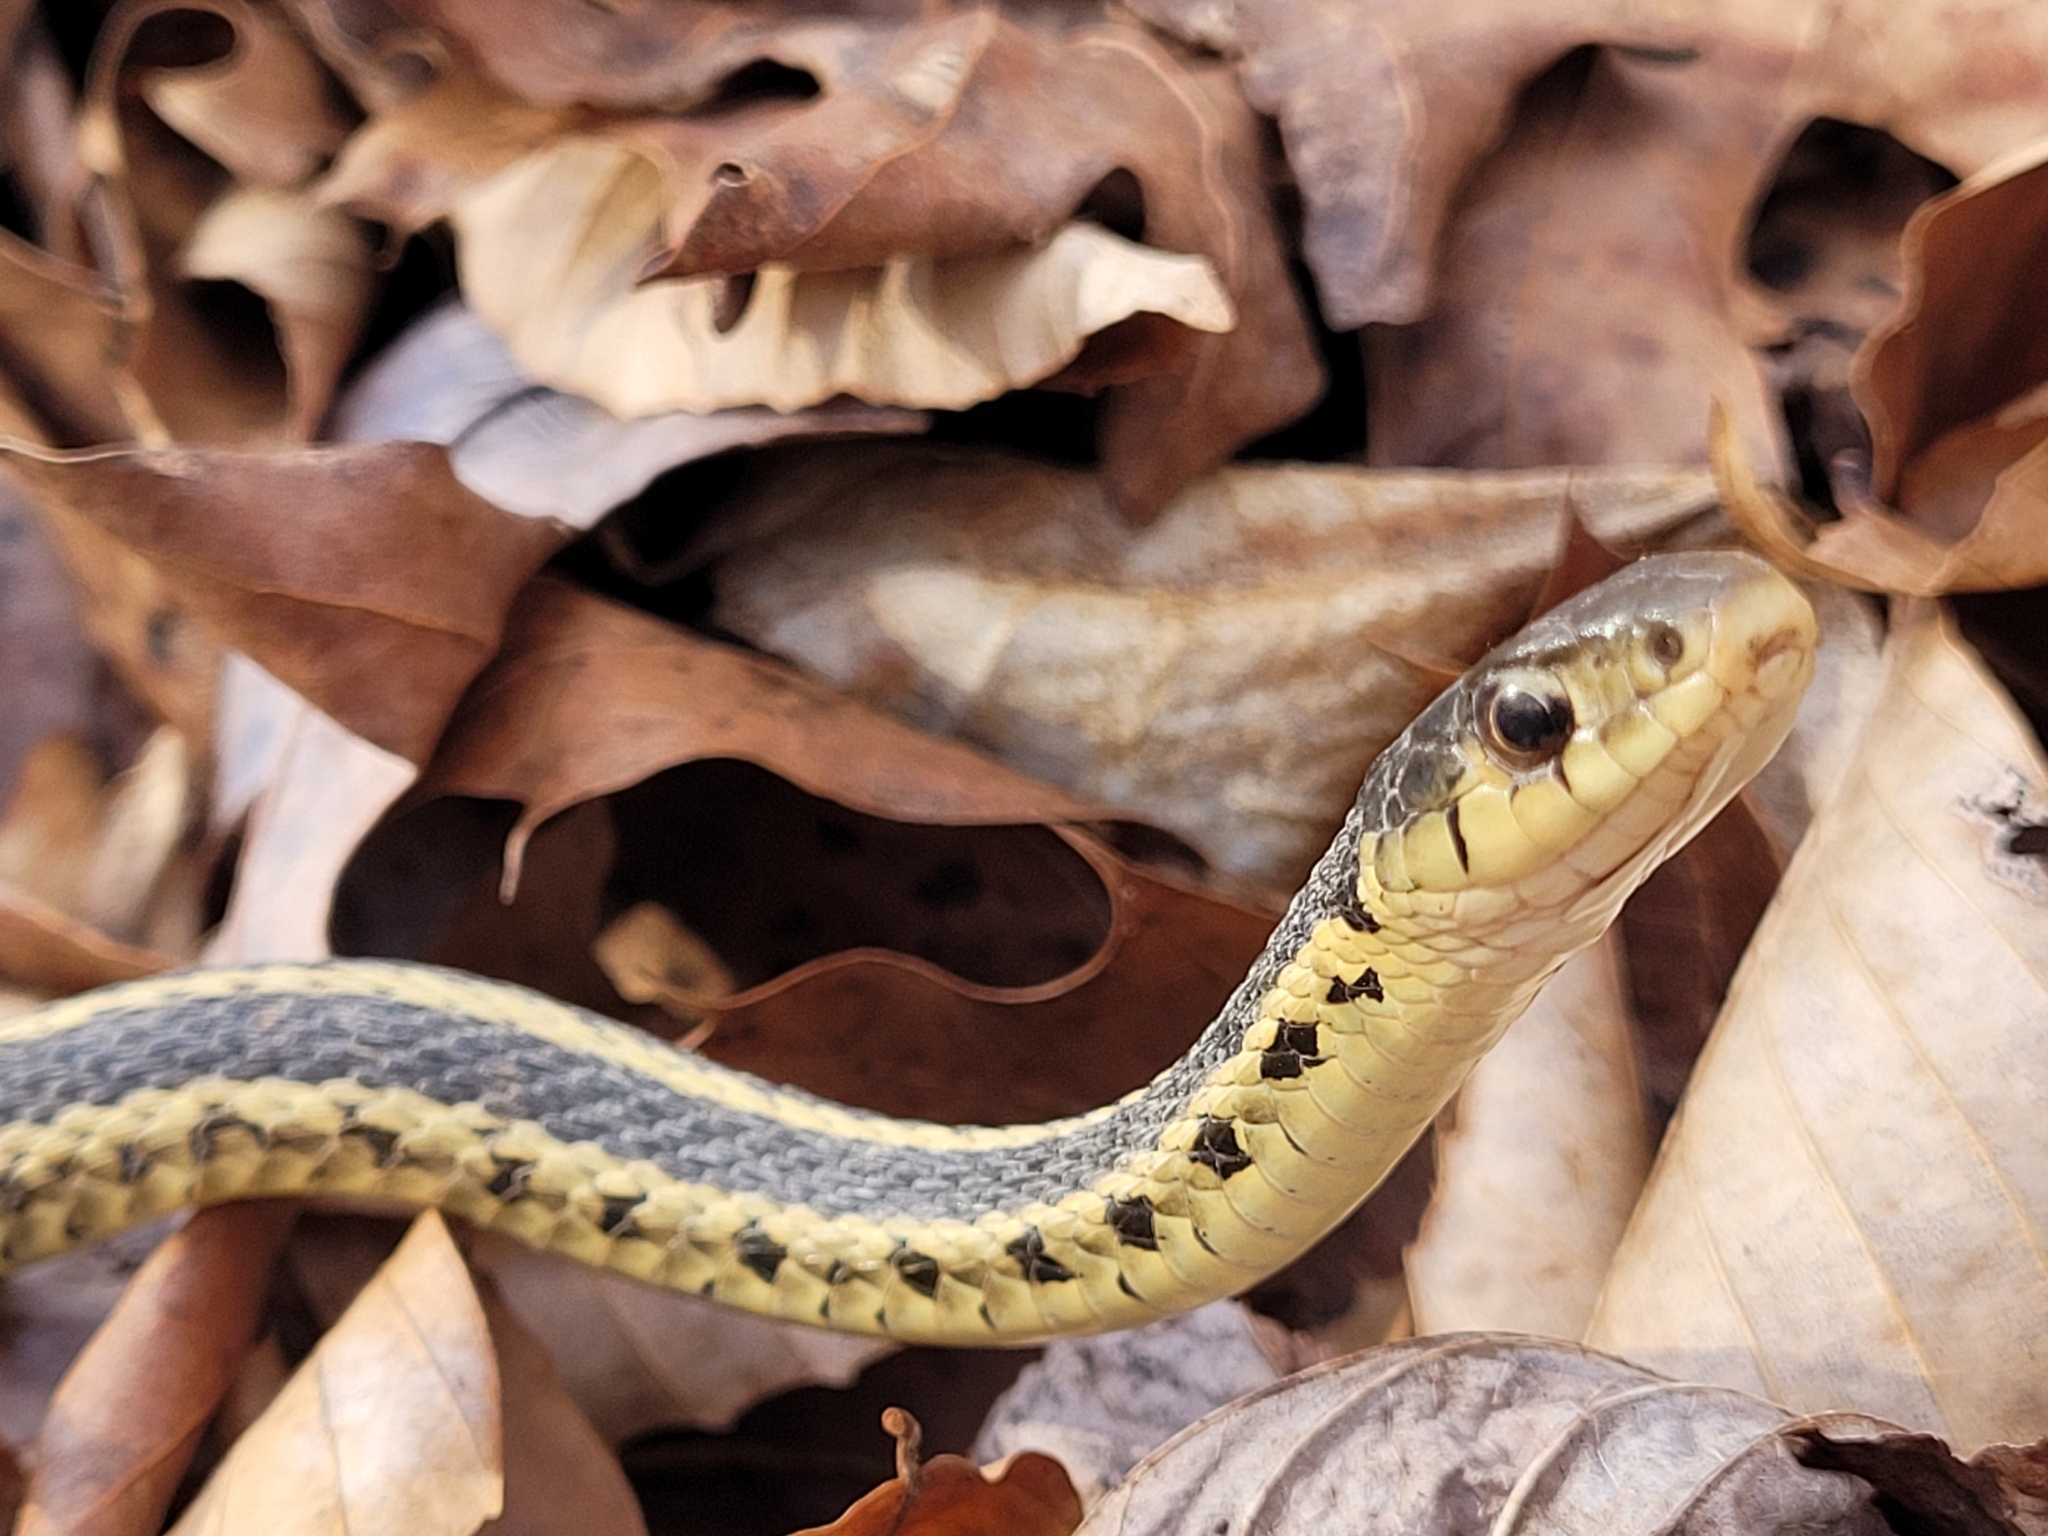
(95, 850)
(1225, 673)
(310, 265)
(265, 109)
(1950, 388)
(49, 952)
(1847, 1212)
(1922, 1480)
(1685, 931)
(890, 227)
(364, 577)
(1481, 1431)
(1539, 1161)
(1585, 298)
(222, 69)
(128, 1415)
(65, 335)
(392, 1424)
(950, 1496)
(904, 841)
(560, 1479)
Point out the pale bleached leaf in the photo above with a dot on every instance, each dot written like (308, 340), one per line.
(552, 251)
(1849, 1211)
(391, 1427)
(537, 451)
(1539, 1161)
(1226, 671)
(1475, 1432)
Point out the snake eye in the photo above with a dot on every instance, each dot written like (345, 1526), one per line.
(1526, 723)
(1666, 645)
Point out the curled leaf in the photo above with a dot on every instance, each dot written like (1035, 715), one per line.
(392, 1424)
(1474, 1432)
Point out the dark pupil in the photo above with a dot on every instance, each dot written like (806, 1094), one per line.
(1529, 722)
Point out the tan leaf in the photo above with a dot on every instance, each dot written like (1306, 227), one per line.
(196, 373)
(637, 1359)
(304, 791)
(364, 577)
(949, 1496)
(392, 1424)
(915, 145)
(1226, 672)
(1848, 1210)
(95, 850)
(539, 452)
(65, 331)
(650, 957)
(1951, 388)
(560, 1478)
(551, 251)
(310, 265)
(1481, 1431)
(125, 1420)
(1539, 1161)
(266, 109)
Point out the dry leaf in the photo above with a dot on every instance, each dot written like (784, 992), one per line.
(1226, 672)
(1579, 286)
(310, 265)
(650, 957)
(1005, 919)
(637, 1359)
(560, 1479)
(1098, 1405)
(197, 372)
(949, 1496)
(541, 453)
(364, 577)
(49, 953)
(128, 1415)
(876, 231)
(65, 334)
(1684, 932)
(1481, 1431)
(392, 1424)
(266, 109)
(1539, 1161)
(95, 850)
(551, 254)
(51, 1310)
(1847, 1212)
(304, 792)
(1953, 499)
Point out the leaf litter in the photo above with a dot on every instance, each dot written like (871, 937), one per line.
(1573, 231)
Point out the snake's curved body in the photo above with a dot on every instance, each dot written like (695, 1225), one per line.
(1494, 839)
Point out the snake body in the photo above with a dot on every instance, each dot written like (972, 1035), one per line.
(1495, 838)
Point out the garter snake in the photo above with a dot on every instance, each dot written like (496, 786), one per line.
(1493, 839)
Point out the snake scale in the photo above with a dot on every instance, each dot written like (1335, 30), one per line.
(1497, 836)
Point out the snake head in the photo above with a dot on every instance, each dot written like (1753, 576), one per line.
(1547, 782)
